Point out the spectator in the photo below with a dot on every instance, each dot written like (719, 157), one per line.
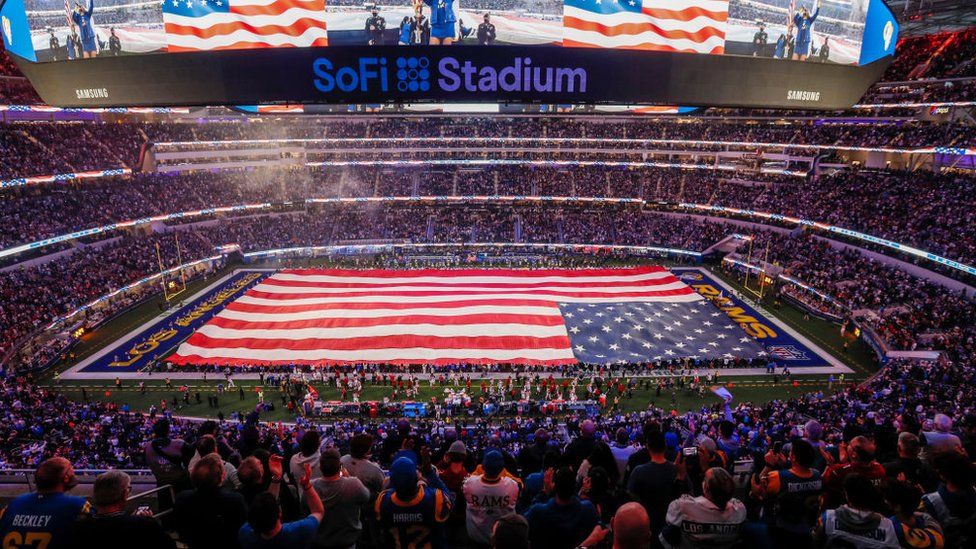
(510, 532)
(914, 529)
(908, 467)
(167, 460)
(856, 523)
(308, 452)
(658, 482)
(343, 498)
(488, 497)
(411, 512)
(564, 521)
(714, 519)
(264, 528)
(110, 526)
(791, 495)
(47, 516)
(860, 453)
(953, 504)
(357, 463)
(209, 515)
(940, 440)
(630, 526)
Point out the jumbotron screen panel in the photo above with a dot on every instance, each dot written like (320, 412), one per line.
(792, 53)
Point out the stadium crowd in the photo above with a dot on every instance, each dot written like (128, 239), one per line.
(881, 464)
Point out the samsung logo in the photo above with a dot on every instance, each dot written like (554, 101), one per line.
(802, 95)
(92, 93)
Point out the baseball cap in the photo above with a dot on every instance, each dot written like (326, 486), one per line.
(493, 463)
(403, 476)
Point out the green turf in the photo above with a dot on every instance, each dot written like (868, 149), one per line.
(756, 389)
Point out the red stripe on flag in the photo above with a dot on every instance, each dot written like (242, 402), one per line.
(391, 343)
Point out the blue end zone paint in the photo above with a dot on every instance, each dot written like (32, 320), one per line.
(160, 340)
(783, 348)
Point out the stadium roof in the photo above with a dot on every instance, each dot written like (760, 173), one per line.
(928, 16)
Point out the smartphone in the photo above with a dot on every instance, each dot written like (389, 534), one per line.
(690, 451)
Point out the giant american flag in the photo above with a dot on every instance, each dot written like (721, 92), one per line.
(198, 25)
(695, 26)
(440, 316)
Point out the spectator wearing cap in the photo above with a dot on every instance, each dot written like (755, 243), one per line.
(510, 532)
(342, 497)
(856, 523)
(453, 473)
(940, 440)
(714, 520)
(908, 467)
(564, 521)
(209, 516)
(488, 497)
(411, 512)
(110, 527)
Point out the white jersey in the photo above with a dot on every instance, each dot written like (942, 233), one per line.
(702, 524)
(838, 533)
(488, 501)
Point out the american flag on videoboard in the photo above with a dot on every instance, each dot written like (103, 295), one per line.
(199, 25)
(464, 316)
(694, 26)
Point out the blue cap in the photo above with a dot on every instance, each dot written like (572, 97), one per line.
(671, 439)
(403, 476)
(493, 463)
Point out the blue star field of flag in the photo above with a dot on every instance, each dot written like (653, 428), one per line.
(642, 332)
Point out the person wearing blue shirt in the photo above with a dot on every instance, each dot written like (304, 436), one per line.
(803, 22)
(44, 518)
(405, 28)
(564, 521)
(442, 22)
(82, 19)
(264, 529)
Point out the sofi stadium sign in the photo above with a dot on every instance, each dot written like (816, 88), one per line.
(450, 74)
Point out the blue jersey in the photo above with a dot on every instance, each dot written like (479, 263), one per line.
(441, 12)
(40, 520)
(414, 524)
(803, 27)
